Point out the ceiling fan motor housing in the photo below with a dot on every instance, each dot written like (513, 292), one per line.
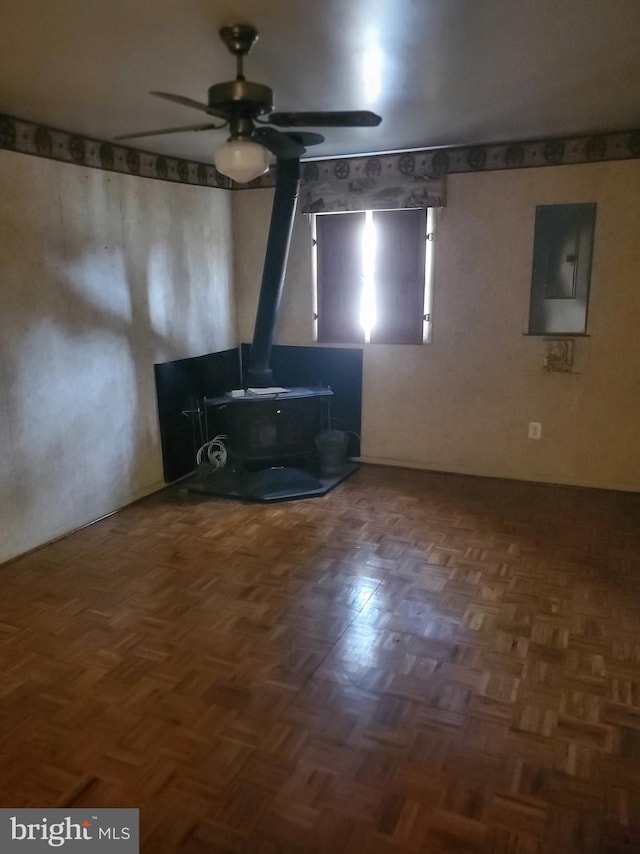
(241, 98)
(239, 38)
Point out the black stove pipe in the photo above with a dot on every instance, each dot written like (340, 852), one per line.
(259, 374)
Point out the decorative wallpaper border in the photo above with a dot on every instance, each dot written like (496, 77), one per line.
(406, 168)
(433, 163)
(42, 141)
(622, 145)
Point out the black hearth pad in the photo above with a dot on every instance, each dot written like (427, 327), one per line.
(281, 483)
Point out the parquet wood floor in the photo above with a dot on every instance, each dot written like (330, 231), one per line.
(413, 663)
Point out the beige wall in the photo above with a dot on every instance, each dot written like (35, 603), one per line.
(101, 275)
(463, 402)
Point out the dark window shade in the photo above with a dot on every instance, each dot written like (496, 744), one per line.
(400, 261)
(339, 259)
(399, 276)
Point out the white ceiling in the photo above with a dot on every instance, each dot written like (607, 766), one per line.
(439, 72)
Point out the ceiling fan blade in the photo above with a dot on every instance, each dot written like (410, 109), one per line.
(331, 119)
(168, 130)
(284, 147)
(189, 102)
(306, 138)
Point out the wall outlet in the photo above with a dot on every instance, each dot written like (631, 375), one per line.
(535, 430)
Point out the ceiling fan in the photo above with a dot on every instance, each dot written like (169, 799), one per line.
(247, 108)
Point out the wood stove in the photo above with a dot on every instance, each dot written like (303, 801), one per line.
(271, 445)
(271, 428)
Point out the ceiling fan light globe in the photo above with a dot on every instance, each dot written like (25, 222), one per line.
(241, 160)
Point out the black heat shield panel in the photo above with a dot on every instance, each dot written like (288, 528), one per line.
(179, 386)
(322, 367)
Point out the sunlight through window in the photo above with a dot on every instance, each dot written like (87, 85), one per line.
(368, 299)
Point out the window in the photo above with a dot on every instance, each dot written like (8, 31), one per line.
(562, 250)
(370, 277)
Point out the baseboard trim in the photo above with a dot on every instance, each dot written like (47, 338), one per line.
(157, 487)
(545, 479)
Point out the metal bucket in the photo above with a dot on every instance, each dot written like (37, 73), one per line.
(331, 446)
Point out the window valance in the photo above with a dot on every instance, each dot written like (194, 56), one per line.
(379, 182)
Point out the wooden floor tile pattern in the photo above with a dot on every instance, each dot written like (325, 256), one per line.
(413, 663)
